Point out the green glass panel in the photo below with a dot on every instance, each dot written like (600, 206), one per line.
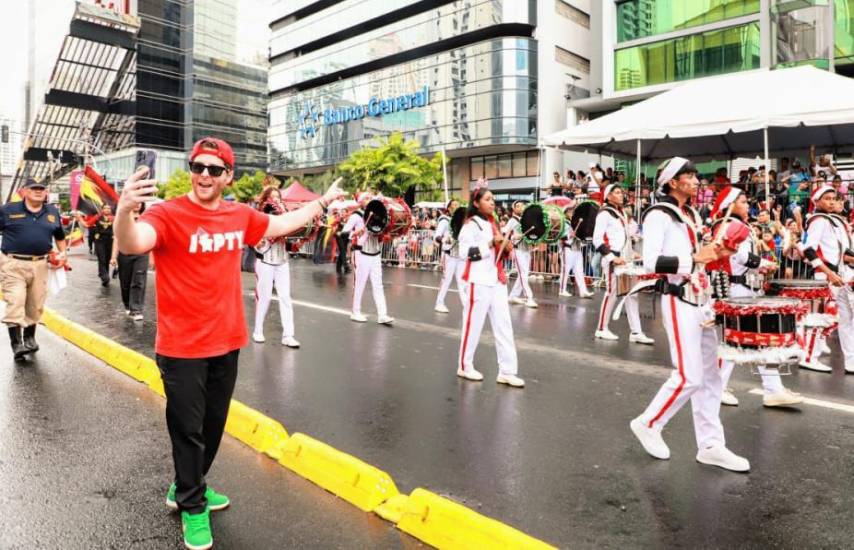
(706, 54)
(643, 18)
(844, 29)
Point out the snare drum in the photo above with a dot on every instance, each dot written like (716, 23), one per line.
(760, 330)
(815, 294)
(388, 218)
(628, 275)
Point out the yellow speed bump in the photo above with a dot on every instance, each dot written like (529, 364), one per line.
(256, 430)
(360, 484)
(445, 524)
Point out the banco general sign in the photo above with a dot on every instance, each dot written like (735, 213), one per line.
(310, 118)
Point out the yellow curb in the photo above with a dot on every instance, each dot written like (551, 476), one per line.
(358, 483)
(426, 516)
(445, 524)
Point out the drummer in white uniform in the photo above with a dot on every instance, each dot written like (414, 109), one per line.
(572, 259)
(845, 300)
(611, 239)
(485, 291)
(452, 265)
(742, 270)
(672, 245)
(825, 252)
(521, 292)
(367, 262)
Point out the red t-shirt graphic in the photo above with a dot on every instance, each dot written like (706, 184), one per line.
(199, 294)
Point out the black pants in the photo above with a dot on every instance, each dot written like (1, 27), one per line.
(198, 393)
(341, 260)
(104, 250)
(133, 273)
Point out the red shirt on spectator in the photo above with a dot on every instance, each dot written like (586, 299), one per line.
(199, 293)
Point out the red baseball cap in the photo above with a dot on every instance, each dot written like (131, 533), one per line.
(213, 146)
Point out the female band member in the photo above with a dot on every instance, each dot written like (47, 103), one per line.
(485, 290)
(271, 269)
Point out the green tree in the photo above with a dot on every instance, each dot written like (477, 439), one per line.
(178, 184)
(247, 187)
(392, 167)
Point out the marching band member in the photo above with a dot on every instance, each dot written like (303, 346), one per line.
(522, 258)
(824, 251)
(452, 265)
(672, 245)
(844, 297)
(611, 239)
(271, 269)
(572, 259)
(736, 268)
(367, 262)
(485, 291)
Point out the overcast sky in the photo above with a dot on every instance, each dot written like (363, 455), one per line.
(252, 35)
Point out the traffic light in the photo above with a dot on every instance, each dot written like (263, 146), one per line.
(5, 134)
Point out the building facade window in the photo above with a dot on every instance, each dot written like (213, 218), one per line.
(572, 60)
(643, 18)
(695, 56)
(523, 164)
(844, 30)
(572, 13)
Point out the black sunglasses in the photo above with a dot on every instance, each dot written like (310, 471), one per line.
(199, 168)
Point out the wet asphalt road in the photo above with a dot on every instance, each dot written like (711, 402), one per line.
(85, 463)
(555, 459)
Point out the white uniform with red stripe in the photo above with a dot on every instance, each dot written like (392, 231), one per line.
(484, 294)
(844, 296)
(452, 264)
(522, 259)
(611, 240)
(668, 247)
(367, 264)
(573, 262)
(271, 270)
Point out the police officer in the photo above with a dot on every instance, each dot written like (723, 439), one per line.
(103, 230)
(29, 228)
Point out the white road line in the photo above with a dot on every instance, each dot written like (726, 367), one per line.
(311, 305)
(818, 403)
(428, 287)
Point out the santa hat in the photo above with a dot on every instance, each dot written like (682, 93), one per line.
(819, 193)
(608, 188)
(674, 168)
(725, 198)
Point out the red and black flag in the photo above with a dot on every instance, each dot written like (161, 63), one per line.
(95, 192)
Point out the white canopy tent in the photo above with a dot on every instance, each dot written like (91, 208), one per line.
(741, 114)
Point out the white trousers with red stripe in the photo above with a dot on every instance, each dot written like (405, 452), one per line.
(610, 300)
(480, 301)
(771, 381)
(844, 297)
(268, 276)
(694, 352)
(452, 270)
(522, 259)
(368, 267)
(573, 262)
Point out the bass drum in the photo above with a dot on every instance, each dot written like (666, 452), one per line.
(542, 223)
(458, 218)
(584, 219)
(388, 218)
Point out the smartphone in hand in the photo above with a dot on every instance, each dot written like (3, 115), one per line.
(147, 158)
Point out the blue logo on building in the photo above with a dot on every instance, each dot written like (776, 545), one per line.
(310, 118)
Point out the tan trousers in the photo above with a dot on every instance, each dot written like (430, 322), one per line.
(24, 285)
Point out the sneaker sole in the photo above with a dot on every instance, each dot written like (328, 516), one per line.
(721, 466)
(520, 386)
(782, 403)
(172, 505)
(194, 547)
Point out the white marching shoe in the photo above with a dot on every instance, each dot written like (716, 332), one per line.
(782, 398)
(588, 295)
(385, 320)
(606, 335)
(441, 308)
(849, 369)
(728, 398)
(510, 380)
(640, 338)
(564, 294)
(290, 341)
(470, 374)
(358, 317)
(531, 304)
(258, 337)
(651, 439)
(517, 301)
(723, 458)
(824, 348)
(815, 365)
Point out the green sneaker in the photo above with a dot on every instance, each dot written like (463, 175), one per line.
(197, 530)
(216, 501)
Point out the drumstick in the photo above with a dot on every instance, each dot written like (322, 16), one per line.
(504, 244)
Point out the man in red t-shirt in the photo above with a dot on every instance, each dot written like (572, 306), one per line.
(197, 243)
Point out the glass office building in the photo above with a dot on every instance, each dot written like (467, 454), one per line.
(466, 77)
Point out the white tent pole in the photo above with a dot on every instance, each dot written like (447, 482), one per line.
(638, 184)
(767, 172)
(445, 175)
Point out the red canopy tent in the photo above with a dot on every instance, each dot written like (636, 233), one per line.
(296, 193)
